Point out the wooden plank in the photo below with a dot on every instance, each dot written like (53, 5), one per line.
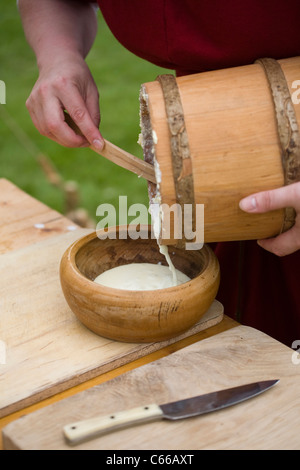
(24, 220)
(224, 325)
(47, 349)
(238, 356)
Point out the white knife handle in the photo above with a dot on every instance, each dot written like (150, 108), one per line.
(90, 428)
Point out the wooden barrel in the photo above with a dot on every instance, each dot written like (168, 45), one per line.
(235, 132)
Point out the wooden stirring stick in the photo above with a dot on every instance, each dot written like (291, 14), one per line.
(126, 160)
(119, 156)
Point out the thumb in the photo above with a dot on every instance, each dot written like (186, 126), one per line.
(265, 201)
(280, 198)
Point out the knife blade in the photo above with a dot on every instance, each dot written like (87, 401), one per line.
(88, 429)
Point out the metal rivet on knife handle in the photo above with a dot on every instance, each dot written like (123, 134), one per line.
(94, 427)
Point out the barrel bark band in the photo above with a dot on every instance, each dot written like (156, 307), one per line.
(288, 131)
(180, 151)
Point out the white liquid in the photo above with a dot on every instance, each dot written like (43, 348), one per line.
(164, 251)
(141, 276)
(146, 276)
(156, 216)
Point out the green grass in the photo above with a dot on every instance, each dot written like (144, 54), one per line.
(118, 74)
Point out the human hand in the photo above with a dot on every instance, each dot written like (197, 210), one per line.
(66, 84)
(287, 196)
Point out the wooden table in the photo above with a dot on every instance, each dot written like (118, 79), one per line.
(20, 220)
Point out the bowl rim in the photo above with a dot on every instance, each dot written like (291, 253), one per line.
(68, 261)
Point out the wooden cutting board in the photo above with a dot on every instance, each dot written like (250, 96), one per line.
(237, 356)
(47, 349)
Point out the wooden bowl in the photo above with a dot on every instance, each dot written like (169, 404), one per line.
(136, 316)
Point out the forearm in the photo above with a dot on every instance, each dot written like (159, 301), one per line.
(55, 28)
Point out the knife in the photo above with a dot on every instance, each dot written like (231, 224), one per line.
(195, 406)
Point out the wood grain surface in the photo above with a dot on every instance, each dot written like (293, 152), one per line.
(140, 316)
(24, 220)
(47, 349)
(233, 142)
(237, 356)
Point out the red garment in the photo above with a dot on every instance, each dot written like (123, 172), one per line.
(197, 35)
(192, 36)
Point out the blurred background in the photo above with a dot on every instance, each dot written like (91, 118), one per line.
(41, 167)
